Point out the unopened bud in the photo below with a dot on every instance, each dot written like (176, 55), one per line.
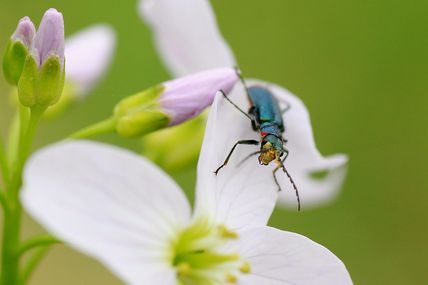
(172, 102)
(188, 96)
(17, 50)
(176, 148)
(42, 79)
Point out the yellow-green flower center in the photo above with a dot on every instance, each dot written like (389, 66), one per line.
(201, 258)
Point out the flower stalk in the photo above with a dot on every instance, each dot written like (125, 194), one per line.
(38, 74)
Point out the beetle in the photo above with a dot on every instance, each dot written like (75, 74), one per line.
(266, 119)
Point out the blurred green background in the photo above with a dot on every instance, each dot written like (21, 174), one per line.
(361, 67)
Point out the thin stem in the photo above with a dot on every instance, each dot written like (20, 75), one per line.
(36, 242)
(25, 143)
(103, 127)
(13, 211)
(4, 167)
(11, 231)
(13, 139)
(32, 263)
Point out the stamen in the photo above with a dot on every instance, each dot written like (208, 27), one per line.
(226, 233)
(230, 278)
(183, 269)
(198, 257)
(245, 267)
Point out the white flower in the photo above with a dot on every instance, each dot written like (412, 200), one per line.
(88, 53)
(188, 40)
(121, 209)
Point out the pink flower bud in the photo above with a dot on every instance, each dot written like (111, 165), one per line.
(49, 39)
(25, 32)
(186, 97)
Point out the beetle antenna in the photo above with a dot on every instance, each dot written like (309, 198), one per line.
(234, 105)
(294, 186)
(241, 78)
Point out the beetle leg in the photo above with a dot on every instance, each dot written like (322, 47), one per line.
(248, 156)
(251, 142)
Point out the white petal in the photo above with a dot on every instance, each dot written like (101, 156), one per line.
(108, 203)
(304, 158)
(186, 35)
(88, 55)
(284, 258)
(241, 196)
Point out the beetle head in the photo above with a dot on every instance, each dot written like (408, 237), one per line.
(271, 149)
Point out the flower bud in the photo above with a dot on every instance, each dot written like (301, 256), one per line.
(186, 97)
(172, 102)
(42, 78)
(17, 50)
(178, 147)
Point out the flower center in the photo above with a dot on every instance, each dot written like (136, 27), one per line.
(201, 257)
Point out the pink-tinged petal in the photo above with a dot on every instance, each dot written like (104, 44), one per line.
(239, 196)
(89, 53)
(49, 39)
(186, 35)
(25, 32)
(285, 258)
(110, 204)
(186, 97)
(304, 159)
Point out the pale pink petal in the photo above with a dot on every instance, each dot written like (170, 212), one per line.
(25, 32)
(89, 54)
(110, 204)
(285, 258)
(49, 39)
(186, 35)
(188, 96)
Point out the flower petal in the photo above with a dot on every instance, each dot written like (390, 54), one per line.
(88, 54)
(186, 35)
(110, 204)
(285, 258)
(25, 32)
(241, 196)
(49, 39)
(188, 96)
(304, 159)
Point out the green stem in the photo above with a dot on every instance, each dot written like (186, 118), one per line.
(36, 242)
(13, 211)
(24, 148)
(11, 231)
(13, 139)
(103, 127)
(4, 167)
(32, 263)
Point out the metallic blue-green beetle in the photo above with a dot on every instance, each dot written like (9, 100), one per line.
(266, 119)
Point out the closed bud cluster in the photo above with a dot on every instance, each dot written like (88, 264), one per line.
(34, 61)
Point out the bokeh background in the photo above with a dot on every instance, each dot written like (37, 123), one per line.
(360, 67)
